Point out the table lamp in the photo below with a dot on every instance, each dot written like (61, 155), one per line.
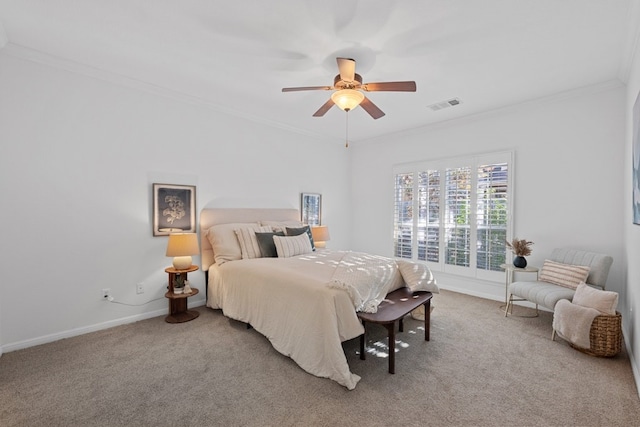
(320, 236)
(181, 246)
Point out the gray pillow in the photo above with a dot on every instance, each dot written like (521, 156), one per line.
(266, 244)
(298, 231)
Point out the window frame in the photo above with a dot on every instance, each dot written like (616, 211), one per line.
(441, 165)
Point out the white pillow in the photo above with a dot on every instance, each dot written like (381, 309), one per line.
(288, 246)
(605, 302)
(224, 241)
(566, 275)
(417, 276)
(281, 225)
(249, 242)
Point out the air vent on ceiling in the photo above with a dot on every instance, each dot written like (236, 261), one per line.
(445, 104)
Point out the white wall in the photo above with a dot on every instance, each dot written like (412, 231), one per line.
(79, 155)
(568, 181)
(631, 303)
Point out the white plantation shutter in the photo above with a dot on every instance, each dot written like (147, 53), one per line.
(429, 216)
(454, 214)
(492, 201)
(457, 220)
(403, 216)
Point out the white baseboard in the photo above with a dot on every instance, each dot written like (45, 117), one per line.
(632, 359)
(6, 348)
(489, 296)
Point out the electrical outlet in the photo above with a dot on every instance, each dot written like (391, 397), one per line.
(140, 288)
(106, 293)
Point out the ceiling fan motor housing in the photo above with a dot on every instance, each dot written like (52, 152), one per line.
(338, 83)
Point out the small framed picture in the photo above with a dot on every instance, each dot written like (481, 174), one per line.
(174, 209)
(311, 208)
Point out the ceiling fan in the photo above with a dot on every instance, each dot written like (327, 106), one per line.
(348, 86)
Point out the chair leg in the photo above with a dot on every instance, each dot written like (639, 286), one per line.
(553, 335)
(506, 309)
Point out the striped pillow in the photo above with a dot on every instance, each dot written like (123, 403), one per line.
(289, 246)
(249, 246)
(224, 240)
(566, 275)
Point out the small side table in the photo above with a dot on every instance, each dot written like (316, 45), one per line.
(510, 269)
(178, 312)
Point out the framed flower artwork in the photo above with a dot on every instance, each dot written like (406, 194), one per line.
(174, 209)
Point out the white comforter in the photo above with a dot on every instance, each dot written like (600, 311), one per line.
(294, 303)
(365, 277)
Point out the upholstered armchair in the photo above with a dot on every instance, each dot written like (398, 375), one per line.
(548, 293)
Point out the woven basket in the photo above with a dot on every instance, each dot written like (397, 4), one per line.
(605, 336)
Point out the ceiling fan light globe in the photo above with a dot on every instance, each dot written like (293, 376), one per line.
(347, 99)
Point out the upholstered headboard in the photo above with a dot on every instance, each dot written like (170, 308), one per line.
(214, 216)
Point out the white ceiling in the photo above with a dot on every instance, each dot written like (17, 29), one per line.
(238, 55)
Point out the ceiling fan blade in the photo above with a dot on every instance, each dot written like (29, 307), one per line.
(326, 107)
(296, 89)
(347, 67)
(390, 86)
(371, 108)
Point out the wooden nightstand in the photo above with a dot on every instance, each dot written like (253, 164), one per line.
(178, 312)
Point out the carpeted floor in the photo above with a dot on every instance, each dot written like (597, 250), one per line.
(479, 369)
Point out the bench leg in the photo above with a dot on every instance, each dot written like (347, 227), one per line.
(392, 346)
(427, 320)
(362, 341)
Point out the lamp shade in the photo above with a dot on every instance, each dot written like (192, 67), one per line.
(347, 99)
(320, 235)
(181, 246)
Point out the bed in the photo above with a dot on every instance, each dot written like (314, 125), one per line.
(304, 301)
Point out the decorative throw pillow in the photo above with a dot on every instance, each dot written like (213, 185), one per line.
(566, 275)
(417, 276)
(605, 302)
(267, 245)
(289, 246)
(224, 241)
(297, 231)
(281, 225)
(248, 242)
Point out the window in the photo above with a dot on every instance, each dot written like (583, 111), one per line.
(454, 214)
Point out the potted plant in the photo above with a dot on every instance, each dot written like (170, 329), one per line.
(178, 284)
(521, 248)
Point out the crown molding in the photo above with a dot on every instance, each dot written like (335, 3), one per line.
(32, 55)
(632, 41)
(507, 109)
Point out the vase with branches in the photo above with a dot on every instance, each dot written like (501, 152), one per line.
(521, 248)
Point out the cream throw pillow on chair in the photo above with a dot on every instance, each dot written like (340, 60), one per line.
(605, 302)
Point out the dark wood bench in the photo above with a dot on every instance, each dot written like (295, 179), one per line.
(396, 306)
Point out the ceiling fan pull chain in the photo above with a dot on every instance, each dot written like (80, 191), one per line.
(346, 145)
